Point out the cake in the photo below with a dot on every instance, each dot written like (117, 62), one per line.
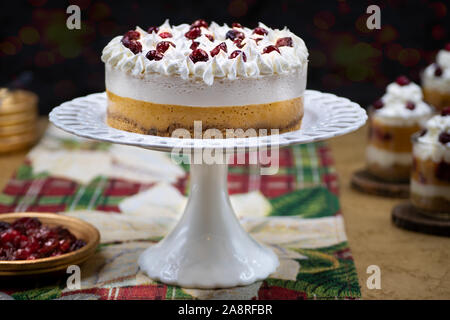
(436, 80)
(430, 179)
(393, 119)
(235, 77)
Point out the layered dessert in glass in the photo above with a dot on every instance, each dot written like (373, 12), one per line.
(430, 178)
(436, 80)
(393, 119)
(227, 77)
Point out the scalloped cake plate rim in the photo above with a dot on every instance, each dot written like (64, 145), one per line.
(326, 116)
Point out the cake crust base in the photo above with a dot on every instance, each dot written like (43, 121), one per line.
(162, 120)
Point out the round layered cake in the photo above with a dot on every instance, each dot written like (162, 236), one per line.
(205, 76)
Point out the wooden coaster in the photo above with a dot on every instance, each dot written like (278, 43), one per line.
(363, 181)
(408, 217)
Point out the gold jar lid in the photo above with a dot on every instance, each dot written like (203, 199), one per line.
(17, 118)
(17, 142)
(17, 101)
(20, 128)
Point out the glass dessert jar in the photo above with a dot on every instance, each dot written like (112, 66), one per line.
(430, 175)
(389, 149)
(399, 113)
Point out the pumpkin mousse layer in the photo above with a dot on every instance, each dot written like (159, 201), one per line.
(161, 119)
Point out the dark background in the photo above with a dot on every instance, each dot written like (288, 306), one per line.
(39, 53)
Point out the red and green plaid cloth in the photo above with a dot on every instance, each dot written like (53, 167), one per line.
(297, 214)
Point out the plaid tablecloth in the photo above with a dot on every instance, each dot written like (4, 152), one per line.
(135, 196)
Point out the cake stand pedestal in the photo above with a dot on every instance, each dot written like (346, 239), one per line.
(208, 248)
(208, 245)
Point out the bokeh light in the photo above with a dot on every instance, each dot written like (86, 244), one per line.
(99, 11)
(237, 8)
(393, 50)
(361, 24)
(37, 3)
(324, 20)
(440, 9)
(44, 59)
(357, 72)
(343, 7)
(387, 34)
(409, 57)
(8, 48)
(356, 60)
(29, 35)
(69, 50)
(317, 58)
(438, 32)
(11, 46)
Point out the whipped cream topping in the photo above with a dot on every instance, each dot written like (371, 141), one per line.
(440, 81)
(429, 146)
(176, 60)
(395, 101)
(443, 59)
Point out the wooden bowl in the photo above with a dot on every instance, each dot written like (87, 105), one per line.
(79, 228)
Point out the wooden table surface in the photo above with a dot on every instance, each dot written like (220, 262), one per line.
(413, 265)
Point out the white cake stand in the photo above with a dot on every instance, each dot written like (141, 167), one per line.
(208, 248)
